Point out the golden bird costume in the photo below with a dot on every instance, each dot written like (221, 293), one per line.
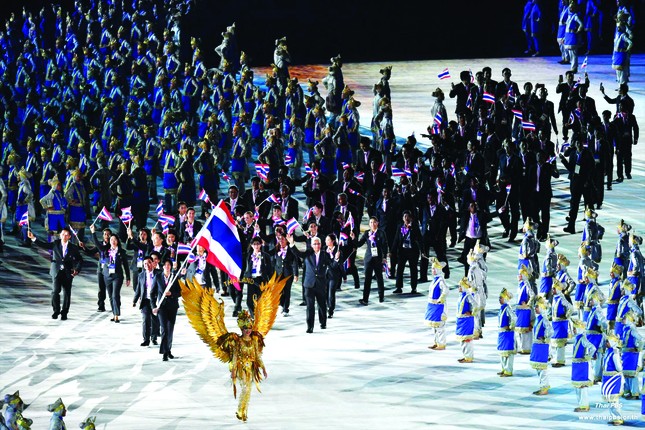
(243, 353)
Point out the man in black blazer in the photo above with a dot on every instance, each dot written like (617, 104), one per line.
(258, 270)
(580, 164)
(541, 192)
(317, 264)
(289, 204)
(365, 155)
(66, 264)
(377, 250)
(142, 296)
(166, 306)
(434, 229)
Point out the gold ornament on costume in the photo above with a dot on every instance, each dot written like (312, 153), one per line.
(524, 272)
(563, 261)
(505, 294)
(436, 264)
(243, 353)
(591, 273)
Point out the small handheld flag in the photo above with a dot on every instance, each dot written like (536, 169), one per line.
(159, 209)
(126, 214)
(202, 196)
(24, 219)
(518, 114)
(292, 225)
(489, 98)
(168, 219)
(225, 176)
(183, 249)
(528, 125)
(444, 75)
(584, 63)
(105, 215)
(274, 198)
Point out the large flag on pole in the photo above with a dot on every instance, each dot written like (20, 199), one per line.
(220, 237)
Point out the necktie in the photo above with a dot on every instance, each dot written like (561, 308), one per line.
(64, 250)
(537, 188)
(317, 260)
(384, 205)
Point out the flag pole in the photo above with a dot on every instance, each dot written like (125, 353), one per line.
(174, 278)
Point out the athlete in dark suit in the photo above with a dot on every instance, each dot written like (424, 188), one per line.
(317, 264)
(66, 264)
(166, 306)
(377, 250)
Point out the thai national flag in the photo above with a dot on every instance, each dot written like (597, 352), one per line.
(307, 214)
(183, 249)
(396, 172)
(274, 198)
(572, 118)
(126, 214)
(577, 112)
(24, 219)
(225, 176)
(518, 114)
(469, 101)
(408, 173)
(584, 63)
(347, 264)
(528, 125)
(220, 237)
(382, 168)
(262, 171)
(435, 129)
(356, 193)
(444, 75)
(576, 84)
(292, 225)
(360, 176)
(551, 160)
(278, 221)
(288, 160)
(169, 219)
(511, 95)
(350, 221)
(386, 268)
(438, 119)
(105, 215)
(343, 238)
(308, 169)
(191, 258)
(508, 188)
(164, 227)
(489, 98)
(202, 196)
(472, 77)
(159, 207)
(345, 166)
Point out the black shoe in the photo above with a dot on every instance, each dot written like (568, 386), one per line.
(446, 276)
(362, 302)
(330, 314)
(165, 357)
(170, 356)
(112, 319)
(453, 243)
(397, 291)
(310, 330)
(511, 238)
(356, 287)
(235, 313)
(422, 280)
(414, 291)
(381, 299)
(619, 180)
(628, 175)
(116, 321)
(55, 315)
(154, 342)
(569, 230)
(323, 326)
(608, 187)
(63, 317)
(100, 310)
(146, 343)
(301, 304)
(598, 207)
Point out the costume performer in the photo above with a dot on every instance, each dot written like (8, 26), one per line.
(580, 369)
(243, 353)
(523, 312)
(58, 411)
(560, 312)
(465, 326)
(436, 309)
(542, 331)
(612, 379)
(506, 336)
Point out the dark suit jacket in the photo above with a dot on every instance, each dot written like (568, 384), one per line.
(207, 276)
(381, 244)
(184, 237)
(140, 292)
(547, 171)
(287, 266)
(137, 246)
(64, 266)
(365, 166)
(120, 264)
(170, 303)
(415, 238)
(434, 227)
(316, 276)
(265, 266)
(292, 209)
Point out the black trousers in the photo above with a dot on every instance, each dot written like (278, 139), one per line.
(439, 247)
(62, 282)
(102, 294)
(623, 159)
(147, 318)
(410, 256)
(113, 284)
(542, 215)
(373, 268)
(316, 295)
(253, 292)
(285, 297)
(332, 286)
(167, 317)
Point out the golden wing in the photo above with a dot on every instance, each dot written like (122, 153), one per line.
(206, 315)
(266, 307)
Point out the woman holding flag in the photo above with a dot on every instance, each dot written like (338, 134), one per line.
(115, 269)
